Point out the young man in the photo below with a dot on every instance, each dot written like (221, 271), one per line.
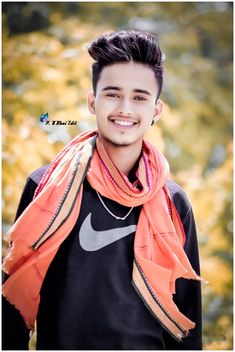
(104, 245)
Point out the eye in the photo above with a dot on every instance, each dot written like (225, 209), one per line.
(139, 98)
(112, 95)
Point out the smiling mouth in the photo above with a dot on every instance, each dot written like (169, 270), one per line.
(123, 123)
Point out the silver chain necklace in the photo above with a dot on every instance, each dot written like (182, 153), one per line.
(109, 211)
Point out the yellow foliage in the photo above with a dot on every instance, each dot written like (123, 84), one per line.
(218, 274)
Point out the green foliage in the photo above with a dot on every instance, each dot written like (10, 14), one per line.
(46, 68)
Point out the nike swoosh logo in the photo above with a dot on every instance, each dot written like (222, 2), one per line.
(92, 240)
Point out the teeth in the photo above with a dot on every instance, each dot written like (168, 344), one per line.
(123, 123)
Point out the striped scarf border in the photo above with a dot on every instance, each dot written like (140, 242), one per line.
(70, 196)
(153, 304)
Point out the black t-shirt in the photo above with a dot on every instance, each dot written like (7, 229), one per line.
(87, 297)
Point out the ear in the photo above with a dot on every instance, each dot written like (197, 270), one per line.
(91, 102)
(159, 106)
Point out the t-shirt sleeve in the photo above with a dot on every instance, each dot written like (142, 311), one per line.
(188, 292)
(26, 197)
(15, 334)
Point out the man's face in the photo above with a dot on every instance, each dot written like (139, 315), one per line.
(125, 103)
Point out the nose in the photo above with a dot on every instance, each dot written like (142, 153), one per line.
(125, 107)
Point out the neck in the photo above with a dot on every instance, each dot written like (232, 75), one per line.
(123, 157)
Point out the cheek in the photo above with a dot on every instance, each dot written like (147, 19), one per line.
(104, 106)
(145, 110)
(102, 112)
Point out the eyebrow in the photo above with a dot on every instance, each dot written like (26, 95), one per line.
(143, 91)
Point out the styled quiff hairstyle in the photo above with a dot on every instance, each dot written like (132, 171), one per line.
(126, 46)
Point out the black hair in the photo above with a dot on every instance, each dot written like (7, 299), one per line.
(125, 46)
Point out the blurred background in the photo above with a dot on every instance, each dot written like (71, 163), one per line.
(46, 68)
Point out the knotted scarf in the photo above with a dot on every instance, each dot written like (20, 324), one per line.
(159, 258)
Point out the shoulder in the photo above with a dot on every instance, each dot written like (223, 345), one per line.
(37, 174)
(179, 198)
(31, 184)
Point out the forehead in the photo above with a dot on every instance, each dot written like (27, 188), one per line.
(128, 76)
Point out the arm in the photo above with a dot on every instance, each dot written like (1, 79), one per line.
(15, 335)
(188, 292)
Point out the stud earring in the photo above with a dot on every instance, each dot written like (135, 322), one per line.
(153, 122)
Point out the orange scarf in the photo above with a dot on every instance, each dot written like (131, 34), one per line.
(159, 258)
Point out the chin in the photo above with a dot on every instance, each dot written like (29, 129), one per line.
(122, 142)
